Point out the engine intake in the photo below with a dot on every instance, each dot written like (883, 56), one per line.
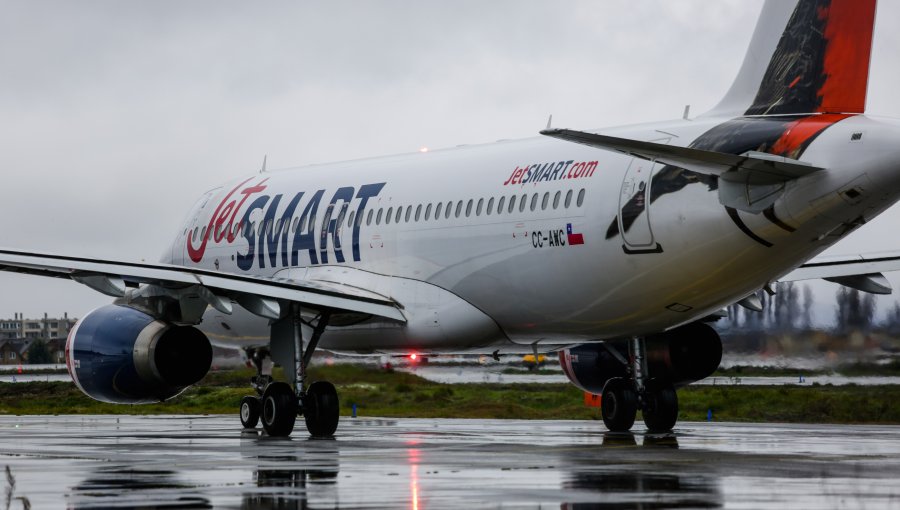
(121, 355)
(677, 357)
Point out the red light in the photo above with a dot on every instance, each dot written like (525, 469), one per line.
(413, 357)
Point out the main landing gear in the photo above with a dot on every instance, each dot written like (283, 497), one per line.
(622, 397)
(278, 403)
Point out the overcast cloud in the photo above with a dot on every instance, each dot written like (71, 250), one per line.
(115, 116)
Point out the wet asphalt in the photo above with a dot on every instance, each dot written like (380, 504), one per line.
(99, 462)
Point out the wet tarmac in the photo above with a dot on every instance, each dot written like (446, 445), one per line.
(555, 375)
(208, 462)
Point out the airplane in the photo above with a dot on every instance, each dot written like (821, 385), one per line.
(612, 247)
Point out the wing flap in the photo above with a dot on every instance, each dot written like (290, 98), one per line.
(860, 272)
(841, 267)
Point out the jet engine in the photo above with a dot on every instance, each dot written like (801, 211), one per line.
(122, 355)
(677, 357)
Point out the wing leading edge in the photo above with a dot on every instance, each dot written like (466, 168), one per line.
(259, 295)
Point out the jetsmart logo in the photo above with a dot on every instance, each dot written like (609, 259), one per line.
(274, 242)
(555, 171)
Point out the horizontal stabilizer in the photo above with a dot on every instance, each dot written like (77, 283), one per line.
(751, 168)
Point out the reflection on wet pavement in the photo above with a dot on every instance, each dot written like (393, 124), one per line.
(208, 462)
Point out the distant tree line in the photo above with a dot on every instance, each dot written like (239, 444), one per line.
(791, 308)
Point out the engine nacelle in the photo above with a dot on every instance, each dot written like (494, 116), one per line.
(677, 357)
(121, 355)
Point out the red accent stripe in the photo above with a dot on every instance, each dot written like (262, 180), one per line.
(848, 30)
(566, 365)
(800, 133)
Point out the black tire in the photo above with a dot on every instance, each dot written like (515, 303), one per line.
(279, 409)
(618, 405)
(321, 409)
(250, 412)
(660, 409)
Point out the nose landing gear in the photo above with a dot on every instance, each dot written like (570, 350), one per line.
(622, 397)
(278, 404)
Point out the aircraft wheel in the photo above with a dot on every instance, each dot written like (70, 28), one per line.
(618, 405)
(321, 409)
(279, 409)
(660, 409)
(250, 412)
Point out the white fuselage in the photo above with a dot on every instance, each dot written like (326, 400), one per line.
(520, 260)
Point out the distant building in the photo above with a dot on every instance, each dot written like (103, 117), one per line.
(46, 328)
(18, 333)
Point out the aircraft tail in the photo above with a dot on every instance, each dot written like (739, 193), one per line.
(806, 57)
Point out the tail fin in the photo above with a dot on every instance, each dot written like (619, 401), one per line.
(806, 56)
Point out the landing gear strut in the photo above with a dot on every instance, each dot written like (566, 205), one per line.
(622, 397)
(279, 403)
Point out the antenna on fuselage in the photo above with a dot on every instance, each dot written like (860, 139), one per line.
(263, 169)
(550, 122)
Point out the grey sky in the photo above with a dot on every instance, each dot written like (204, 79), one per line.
(115, 116)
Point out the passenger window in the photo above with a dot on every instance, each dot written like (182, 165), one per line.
(296, 222)
(418, 211)
(369, 217)
(512, 204)
(194, 237)
(500, 205)
(556, 199)
(469, 208)
(522, 201)
(458, 208)
(387, 218)
(449, 210)
(399, 213)
(580, 198)
(534, 199)
(568, 198)
(428, 211)
(437, 211)
(489, 207)
(545, 201)
(378, 218)
(350, 218)
(203, 234)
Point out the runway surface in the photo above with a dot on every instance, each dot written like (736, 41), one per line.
(207, 461)
(494, 374)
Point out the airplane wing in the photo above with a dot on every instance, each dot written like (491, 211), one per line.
(752, 168)
(258, 295)
(861, 272)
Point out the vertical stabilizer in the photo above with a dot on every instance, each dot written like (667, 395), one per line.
(806, 56)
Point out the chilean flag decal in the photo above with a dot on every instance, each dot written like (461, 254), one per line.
(573, 239)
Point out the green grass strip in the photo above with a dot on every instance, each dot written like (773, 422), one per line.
(379, 393)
